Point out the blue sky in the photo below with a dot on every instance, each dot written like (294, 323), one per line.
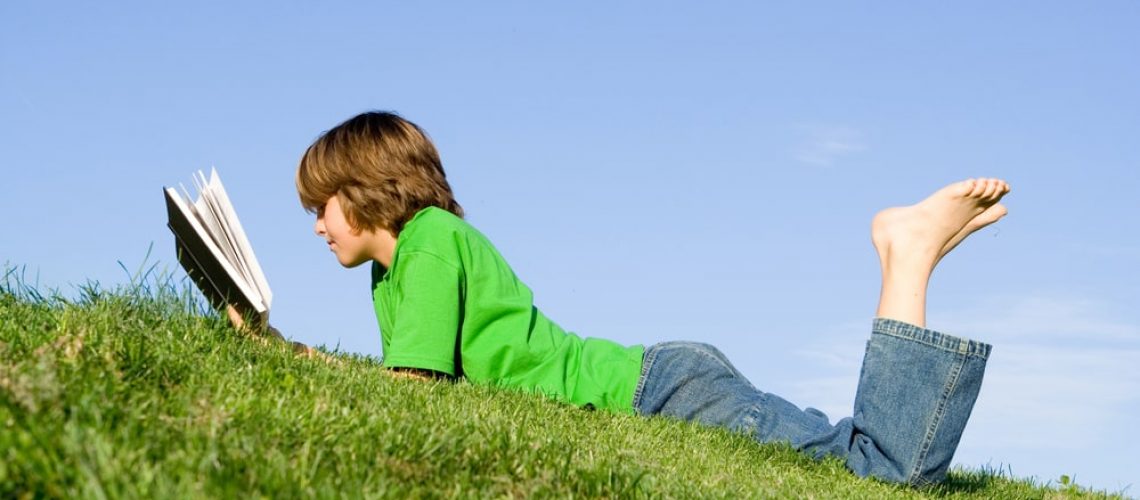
(653, 171)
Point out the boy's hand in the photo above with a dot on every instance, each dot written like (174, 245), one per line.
(236, 319)
(308, 352)
(256, 329)
(262, 332)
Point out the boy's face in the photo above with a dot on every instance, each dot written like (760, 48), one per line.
(352, 247)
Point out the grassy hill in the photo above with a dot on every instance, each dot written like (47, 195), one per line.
(136, 392)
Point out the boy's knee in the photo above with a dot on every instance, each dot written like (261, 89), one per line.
(683, 348)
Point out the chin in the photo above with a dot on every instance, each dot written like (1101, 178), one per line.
(351, 263)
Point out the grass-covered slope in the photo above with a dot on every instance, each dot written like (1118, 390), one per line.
(134, 393)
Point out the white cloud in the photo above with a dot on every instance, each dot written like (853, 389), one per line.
(824, 145)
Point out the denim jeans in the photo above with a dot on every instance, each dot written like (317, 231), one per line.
(916, 390)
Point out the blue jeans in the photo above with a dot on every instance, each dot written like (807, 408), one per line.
(916, 390)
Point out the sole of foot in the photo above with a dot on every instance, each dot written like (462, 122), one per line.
(931, 228)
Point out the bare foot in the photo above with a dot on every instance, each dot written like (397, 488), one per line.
(931, 228)
(912, 240)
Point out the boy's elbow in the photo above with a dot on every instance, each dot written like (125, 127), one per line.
(417, 373)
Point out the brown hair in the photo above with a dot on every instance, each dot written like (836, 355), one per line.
(382, 168)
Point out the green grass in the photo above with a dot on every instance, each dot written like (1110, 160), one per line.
(137, 392)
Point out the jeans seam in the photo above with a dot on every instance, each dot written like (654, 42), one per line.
(936, 420)
(647, 360)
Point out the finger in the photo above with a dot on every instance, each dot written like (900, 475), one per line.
(235, 317)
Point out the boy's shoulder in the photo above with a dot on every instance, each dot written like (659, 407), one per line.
(434, 228)
(433, 222)
(433, 231)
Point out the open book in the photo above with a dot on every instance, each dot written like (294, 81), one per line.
(213, 249)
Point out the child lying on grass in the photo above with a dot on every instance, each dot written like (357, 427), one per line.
(449, 306)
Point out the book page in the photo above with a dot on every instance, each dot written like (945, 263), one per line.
(184, 206)
(224, 236)
(244, 249)
(214, 230)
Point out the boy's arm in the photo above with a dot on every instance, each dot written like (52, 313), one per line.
(427, 309)
(239, 323)
(263, 334)
(254, 329)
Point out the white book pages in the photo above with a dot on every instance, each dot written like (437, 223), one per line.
(209, 219)
(243, 246)
(187, 207)
(224, 236)
(202, 216)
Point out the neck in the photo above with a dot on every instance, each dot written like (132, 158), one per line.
(383, 247)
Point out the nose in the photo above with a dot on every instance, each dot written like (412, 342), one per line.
(319, 227)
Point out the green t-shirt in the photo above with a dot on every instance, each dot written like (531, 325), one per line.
(451, 304)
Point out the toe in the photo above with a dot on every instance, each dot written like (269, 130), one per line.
(991, 189)
(972, 186)
(994, 213)
(999, 189)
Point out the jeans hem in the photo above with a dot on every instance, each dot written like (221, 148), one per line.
(925, 336)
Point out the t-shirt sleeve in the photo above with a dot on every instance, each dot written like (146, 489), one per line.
(427, 314)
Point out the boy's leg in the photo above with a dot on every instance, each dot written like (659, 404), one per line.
(916, 391)
(918, 386)
(696, 382)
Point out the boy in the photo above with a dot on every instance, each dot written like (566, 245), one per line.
(449, 306)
